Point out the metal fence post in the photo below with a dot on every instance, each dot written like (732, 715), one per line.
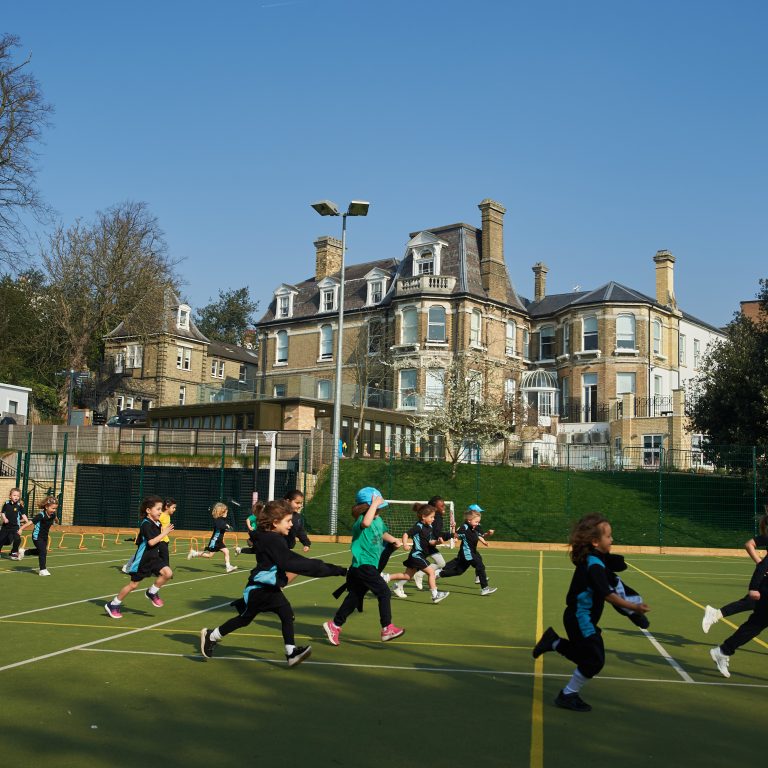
(63, 478)
(661, 496)
(306, 452)
(221, 471)
(27, 459)
(141, 469)
(19, 454)
(754, 485)
(477, 476)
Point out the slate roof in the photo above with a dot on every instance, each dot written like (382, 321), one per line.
(232, 352)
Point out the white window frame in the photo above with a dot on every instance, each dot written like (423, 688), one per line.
(129, 402)
(626, 383)
(183, 358)
(281, 350)
(681, 350)
(475, 385)
(510, 390)
(406, 395)
(182, 394)
(119, 361)
(322, 386)
(585, 334)
(120, 403)
(696, 353)
(526, 344)
(284, 303)
(134, 356)
(476, 328)
(510, 339)
(328, 299)
(279, 390)
(425, 262)
(376, 339)
(243, 374)
(377, 288)
(626, 338)
(566, 338)
(182, 317)
(658, 336)
(326, 342)
(437, 325)
(409, 332)
(652, 445)
(435, 388)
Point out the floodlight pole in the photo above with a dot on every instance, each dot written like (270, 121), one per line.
(333, 513)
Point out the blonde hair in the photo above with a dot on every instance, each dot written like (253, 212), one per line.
(220, 509)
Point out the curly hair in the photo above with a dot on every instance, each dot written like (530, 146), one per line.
(148, 503)
(583, 533)
(272, 512)
(423, 510)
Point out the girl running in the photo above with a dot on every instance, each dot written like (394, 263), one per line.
(369, 537)
(264, 590)
(423, 539)
(470, 534)
(169, 507)
(147, 560)
(590, 543)
(295, 500)
(43, 521)
(746, 603)
(216, 544)
(440, 537)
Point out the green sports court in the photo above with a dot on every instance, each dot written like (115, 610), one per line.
(460, 687)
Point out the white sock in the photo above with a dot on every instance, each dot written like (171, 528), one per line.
(575, 683)
(401, 582)
(289, 649)
(438, 572)
(216, 635)
(434, 593)
(117, 602)
(385, 576)
(153, 590)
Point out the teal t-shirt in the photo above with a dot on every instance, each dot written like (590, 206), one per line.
(367, 543)
(253, 521)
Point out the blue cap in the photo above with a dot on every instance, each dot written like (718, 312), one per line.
(475, 508)
(365, 496)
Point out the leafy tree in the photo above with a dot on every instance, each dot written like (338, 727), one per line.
(465, 413)
(23, 115)
(229, 318)
(730, 399)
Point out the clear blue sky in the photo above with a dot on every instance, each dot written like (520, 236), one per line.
(608, 129)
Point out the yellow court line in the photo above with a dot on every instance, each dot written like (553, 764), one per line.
(691, 601)
(255, 634)
(537, 708)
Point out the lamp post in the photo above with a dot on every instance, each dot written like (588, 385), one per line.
(327, 208)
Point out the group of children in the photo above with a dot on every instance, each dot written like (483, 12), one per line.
(14, 520)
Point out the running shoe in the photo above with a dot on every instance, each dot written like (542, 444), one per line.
(440, 596)
(298, 654)
(333, 632)
(721, 659)
(390, 632)
(711, 616)
(113, 611)
(207, 646)
(154, 599)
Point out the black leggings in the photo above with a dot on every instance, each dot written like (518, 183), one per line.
(263, 601)
(40, 549)
(739, 606)
(587, 653)
(460, 564)
(751, 628)
(360, 580)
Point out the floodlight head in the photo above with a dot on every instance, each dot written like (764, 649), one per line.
(326, 208)
(358, 208)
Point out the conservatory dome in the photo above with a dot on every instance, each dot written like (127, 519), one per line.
(539, 380)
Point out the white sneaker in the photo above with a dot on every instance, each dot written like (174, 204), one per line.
(488, 590)
(231, 568)
(440, 596)
(238, 550)
(125, 568)
(192, 553)
(21, 553)
(45, 572)
(711, 616)
(399, 591)
(721, 660)
(418, 579)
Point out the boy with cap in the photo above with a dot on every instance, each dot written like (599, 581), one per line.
(469, 535)
(369, 535)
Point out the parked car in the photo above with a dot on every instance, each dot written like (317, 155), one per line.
(128, 417)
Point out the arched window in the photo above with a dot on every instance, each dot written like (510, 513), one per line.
(326, 342)
(323, 389)
(436, 324)
(410, 326)
(282, 347)
(625, 332)
(475, 329)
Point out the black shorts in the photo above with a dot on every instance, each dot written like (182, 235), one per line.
(216, 543)
(415, 561)
(164, 552)
(151, 567)
(7, 536)
(264, 601)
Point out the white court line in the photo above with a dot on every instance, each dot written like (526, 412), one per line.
(662, 651)
(464, 670)
(84, 646)
(71, 565)
(170, 584)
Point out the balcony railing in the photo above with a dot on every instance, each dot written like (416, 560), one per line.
(582, 411)
(647, 407)
(425, 284)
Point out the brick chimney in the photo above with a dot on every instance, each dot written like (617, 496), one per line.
(539, 280)
(327, 257)
(665, 279)
(493, 271)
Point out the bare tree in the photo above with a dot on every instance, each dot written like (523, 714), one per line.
(23, 115)
(116, 269)
(465, 413)
(369, 361)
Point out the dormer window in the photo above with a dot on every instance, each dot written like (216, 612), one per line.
(426, 264)
(425, 250)
(375, 291)
(284, 301)
(329, 292)
(182, 317)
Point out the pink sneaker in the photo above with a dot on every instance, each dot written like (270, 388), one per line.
(391, 632)
(113, 611)
(155, 599)
(333, 632)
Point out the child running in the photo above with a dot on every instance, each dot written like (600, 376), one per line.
(13, 518)
(590, 544)
(147, 560)
(470, 534)
(369, 535)
(264, 590)
(169, 507)
(43, 521)
(295, 500)
(423, 538)
(216, 544)
(252, 524)
(746, 603)
(438, 504)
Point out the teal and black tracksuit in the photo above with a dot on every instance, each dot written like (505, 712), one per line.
(43, 525)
